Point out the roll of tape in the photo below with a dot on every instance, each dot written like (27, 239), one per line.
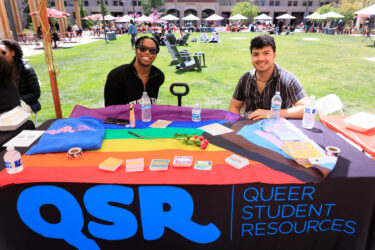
(332, 151)
(74, 153)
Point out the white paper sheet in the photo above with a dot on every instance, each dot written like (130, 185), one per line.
(25, 138)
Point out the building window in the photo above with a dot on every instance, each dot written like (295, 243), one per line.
(65, 4)
(272, 3)
(121, 3)
(277, 3)
(86, 3)
(262, 2)
(295, 3)
(115, 3)
(53, 4)
(289, 3)
(305, 3)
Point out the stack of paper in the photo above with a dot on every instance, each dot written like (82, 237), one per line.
(159, 164)
(301, 151)
(111, 164)
(135, 165)
(183, 161)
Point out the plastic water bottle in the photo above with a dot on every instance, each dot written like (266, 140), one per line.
(146, 107)
(275, 106)
(196, 113)
(309, 114)
(12, 159)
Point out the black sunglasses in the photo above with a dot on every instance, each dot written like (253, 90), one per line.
(3, 52)
(152, 51)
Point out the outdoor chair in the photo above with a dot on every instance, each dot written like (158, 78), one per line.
(186, 64)
(174, 58)
(329, 104)
(171, 38)
(184, 40)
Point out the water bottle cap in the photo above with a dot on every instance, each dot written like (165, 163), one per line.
(277, 92)
(10, 148)
(312, 97)
(197, 105)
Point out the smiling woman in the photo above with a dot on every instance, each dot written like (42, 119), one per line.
(125, 84)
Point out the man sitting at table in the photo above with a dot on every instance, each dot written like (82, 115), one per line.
(256, 88)
(125, 84)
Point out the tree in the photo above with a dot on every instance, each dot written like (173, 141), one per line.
(82, 11)
(103, 9)
(245, 9)
(325, 9)
(148, 5)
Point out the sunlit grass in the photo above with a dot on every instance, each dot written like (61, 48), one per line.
(332, 64)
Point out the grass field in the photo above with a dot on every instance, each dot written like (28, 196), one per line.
(332, 64)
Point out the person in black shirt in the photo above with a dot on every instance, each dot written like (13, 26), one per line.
(9, 97)
(126, 83)
(23, 75)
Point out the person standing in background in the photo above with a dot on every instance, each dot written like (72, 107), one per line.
(133, 32)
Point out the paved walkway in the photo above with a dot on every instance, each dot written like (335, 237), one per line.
(86, 38)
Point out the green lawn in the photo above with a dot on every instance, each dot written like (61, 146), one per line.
(331, 65)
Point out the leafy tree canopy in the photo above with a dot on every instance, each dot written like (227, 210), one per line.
(245, 9)
(149, 5)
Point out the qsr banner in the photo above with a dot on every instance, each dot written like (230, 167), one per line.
(249, 216)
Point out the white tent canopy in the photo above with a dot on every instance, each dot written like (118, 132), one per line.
(109, 18)
(332, 14)
(367, 11)
(191, 17)
(286, 16)
(315, 16)
(170, 17)
(144, 18)
(238, 17)
(263, 17)
(214, 17)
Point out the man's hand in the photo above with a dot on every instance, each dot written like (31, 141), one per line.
(260, 114)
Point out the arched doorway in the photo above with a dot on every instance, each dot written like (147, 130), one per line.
(189, 25)
(206, 13)
(208, 26)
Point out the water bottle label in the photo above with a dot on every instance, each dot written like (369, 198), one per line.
(307, 111)
(14, 164)
(146, 106)
(275, 107)
(196, 116)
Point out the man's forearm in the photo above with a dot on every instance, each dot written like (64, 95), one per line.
(293, 112)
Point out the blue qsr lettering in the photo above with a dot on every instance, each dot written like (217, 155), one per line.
(272, 228)
(300, 211)
(254, 197)
(321, 225)
(245, 211)
(308, 191)
(284, 211)
(123, 223)
(337, 225)
(291, 193)
(71, 223)
(280, 191)
(260, 210)
(260, 229)
(247, 227)
(178, 218)
(286, 223)
(351, 229)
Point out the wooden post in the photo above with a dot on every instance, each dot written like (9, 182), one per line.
(49, 57)
(78, 14)
(33, 6)
(4, 23)
(16, 16)
(62, 21)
